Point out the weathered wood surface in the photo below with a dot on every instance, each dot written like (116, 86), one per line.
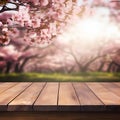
(63, 96)
(47, 100)
(68, 99)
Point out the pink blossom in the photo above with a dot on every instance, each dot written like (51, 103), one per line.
(36, 23)
(1, 24)
(44, 2)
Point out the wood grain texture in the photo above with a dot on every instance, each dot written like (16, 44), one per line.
(63, 96)
(108, 97)
(10, 94)
(5, 86)
(112, 87)
(68, 99)
(87, 98)
(47, 101)
(117, 83)
(25, 100)
(85, 94)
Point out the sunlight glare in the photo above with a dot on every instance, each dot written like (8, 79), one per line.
(89, 30)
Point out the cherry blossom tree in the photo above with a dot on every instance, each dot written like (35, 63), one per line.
(34, 22)
(97, 36)
(13, 58)
(86, 33)
(8, 57)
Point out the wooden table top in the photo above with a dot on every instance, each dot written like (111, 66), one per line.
(59, 96)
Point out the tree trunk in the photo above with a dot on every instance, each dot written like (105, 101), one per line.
(101, 67)
(16, 70)
(117, 67)
(8, 67)
(110, 66)
(1, 70)
(84, 69)
(23, 64)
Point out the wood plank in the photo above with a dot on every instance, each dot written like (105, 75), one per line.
(112, 87)
(2, 82)
(59, 115)
(60, 97)
(25, 100)
(115, 88)
(89, 101)
(68, 99)
(108, 97)
(10, 94)
(47, 101)
(5, 86)
(117, 83)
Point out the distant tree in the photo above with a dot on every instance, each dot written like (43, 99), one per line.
(87, 32)
(14, 59)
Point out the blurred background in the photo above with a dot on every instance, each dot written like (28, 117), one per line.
(91, 44)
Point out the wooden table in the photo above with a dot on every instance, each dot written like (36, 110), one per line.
(73, 97)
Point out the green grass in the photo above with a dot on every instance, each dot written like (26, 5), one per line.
(55, 77)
